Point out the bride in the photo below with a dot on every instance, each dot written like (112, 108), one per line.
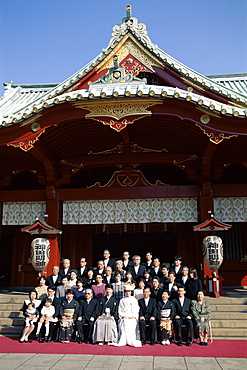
(128, 311)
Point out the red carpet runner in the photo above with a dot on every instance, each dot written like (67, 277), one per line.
(219, 348)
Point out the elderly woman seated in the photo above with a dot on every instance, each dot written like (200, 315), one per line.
(201, 311)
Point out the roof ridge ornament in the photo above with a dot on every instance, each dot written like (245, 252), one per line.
(117, 74)
(131, 23)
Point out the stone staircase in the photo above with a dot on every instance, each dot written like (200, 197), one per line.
(229, 316)
(228, 319)
(11, 318)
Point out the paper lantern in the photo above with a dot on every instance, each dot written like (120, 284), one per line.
(40, 253)
(213, 251)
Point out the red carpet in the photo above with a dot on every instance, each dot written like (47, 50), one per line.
(219, 348)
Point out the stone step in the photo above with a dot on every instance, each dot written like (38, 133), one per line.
(229, 316)
(229, 308)
(229, 332)
(11, 300)
(11, 321)
(10, 314)
(226, 300)
(11, 306)
(229, 324)
(10, 329)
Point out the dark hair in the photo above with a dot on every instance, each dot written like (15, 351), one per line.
(48, 300)
(166, 291)
(70, 291)
(149, 253)
(33, 291)
(147, 287)
(193, 271)
(106, 250)
(31, 304)
(80, 281)
(108, 286)
(41, 278)
(98, 275)
(129, 272)
(165, 265)
(157, 278)
(64, 277)
(156, 258)
(74, 272)
(52, 288)
(200, 290)
(172, 273)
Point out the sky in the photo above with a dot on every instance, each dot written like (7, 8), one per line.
(47, 41)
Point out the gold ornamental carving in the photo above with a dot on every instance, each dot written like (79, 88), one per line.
(127, 178)
(118, 114)
(128, 45)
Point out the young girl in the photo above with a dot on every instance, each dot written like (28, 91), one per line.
(31, 316)
(47, 312)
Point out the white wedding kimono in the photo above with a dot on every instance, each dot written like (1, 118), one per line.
(128, 311)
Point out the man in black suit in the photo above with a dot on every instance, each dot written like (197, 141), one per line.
(100, 268)
(147, 315)
(66, 270)
(183, 315)
(148, 263)
(82, 270)
(55, 278)
(56, 302)
(137, 270)
(185, 276)
(177, 267)
(86, 315)
(127, 263)
(108, 277)
(107, 260)
(156, 269)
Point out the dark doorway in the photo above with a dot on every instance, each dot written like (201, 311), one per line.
(161, 244)
(6, 247)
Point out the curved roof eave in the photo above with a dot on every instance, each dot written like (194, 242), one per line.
(124, 91)
(13, 105)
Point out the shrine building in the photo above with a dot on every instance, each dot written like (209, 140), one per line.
(129, 153)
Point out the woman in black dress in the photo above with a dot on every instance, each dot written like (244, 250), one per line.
(193, 284)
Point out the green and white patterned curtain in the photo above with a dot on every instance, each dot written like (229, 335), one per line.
(130, 211)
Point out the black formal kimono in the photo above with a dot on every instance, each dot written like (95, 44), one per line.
(183, 312)
(88, 282)
(105, 328)
(86, 311)
(165, 310)
(69, 310)
(147, 312)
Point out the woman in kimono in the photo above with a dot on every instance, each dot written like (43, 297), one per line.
(201, 311)
(128, 312)
(68, 310)
(165, 314)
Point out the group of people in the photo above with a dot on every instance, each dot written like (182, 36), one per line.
(123, 302)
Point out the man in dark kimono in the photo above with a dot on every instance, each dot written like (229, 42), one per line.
(105, 329)
(86, 316)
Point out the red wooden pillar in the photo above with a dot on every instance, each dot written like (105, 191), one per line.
(53, 218)
(206, 208)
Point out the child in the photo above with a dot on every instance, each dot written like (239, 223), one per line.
(31, 316)
(47, 312)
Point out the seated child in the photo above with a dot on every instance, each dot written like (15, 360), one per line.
(31, 316)
(47, 312)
